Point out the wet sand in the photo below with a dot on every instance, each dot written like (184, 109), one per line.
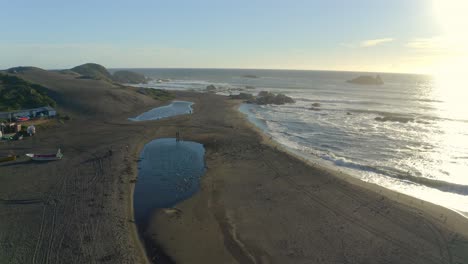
(257, 204)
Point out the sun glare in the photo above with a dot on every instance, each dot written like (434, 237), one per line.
(451, 73)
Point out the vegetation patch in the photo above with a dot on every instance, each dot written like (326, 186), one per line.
(129, 77)
(92, 71)
(157, 94)
(16, 94)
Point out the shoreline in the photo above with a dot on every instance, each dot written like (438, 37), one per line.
(135, 234)
(223, 222)
(256, 203)
(393, 194)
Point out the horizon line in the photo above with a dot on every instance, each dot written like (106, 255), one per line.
(228, 68)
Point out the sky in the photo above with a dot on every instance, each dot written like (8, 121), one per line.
(414, 36)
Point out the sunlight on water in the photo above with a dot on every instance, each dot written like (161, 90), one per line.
(422, 150)
(450, 88)
(451, 137)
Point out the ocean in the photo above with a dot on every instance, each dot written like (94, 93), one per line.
(409, 135)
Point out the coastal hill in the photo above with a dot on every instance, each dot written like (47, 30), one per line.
(129, 77)
(93, 71)
(16, 94)
(99, 72)
(367, 80)
(87, 97)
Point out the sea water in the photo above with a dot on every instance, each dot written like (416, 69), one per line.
(421, 150)
(169, 171)
(173, 109)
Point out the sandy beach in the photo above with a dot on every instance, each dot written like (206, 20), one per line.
(257, 204)
(260, 205)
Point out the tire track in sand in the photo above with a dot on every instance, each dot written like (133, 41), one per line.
(410, 251)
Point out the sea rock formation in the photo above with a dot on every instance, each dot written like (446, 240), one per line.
(250, 76)
(265, 98)
(394, 118)
(367, 80)
(211, 88)
(315, 107)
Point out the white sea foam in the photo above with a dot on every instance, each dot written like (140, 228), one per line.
(418, 152)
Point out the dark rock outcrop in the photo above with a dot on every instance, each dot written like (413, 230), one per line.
(394, 118)
(211, 88)
(265, 98)
(250, 76)
(367, 80)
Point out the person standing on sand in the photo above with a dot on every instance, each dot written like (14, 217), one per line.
(177, 136)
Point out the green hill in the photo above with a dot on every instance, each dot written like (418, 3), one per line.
(93, 71)
(129, 77)
(16, 93)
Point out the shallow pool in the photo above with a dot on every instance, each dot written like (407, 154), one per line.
(169, 172)
(173, 109)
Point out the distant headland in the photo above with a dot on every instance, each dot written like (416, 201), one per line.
(99, 72)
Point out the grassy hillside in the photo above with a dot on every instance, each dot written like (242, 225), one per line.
(93, 71)
(99, 72)
(16, 93)
(129, 77)
(90, 98)
(156, 94)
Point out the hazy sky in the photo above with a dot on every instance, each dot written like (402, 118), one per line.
(367, 35)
